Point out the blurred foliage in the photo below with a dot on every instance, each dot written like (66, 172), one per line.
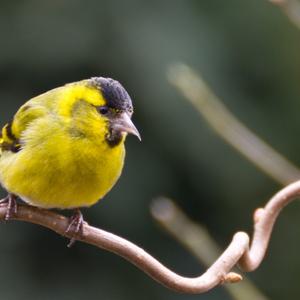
(248, 53)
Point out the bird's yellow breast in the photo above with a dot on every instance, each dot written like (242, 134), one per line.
(58, 169)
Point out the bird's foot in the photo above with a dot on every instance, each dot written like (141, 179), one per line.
(12, 207)
(75, 227)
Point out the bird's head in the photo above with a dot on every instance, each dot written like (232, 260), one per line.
(109, 104)
(117, 108)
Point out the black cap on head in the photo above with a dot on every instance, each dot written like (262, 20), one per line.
(114, 93)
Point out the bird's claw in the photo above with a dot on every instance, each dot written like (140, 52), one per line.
(12, 207)
(75, 227)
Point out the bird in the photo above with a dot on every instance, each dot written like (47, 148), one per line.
(64, 149)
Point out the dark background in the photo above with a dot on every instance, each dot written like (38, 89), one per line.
(247, 51)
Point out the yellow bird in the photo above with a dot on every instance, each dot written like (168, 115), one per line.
(65, 148)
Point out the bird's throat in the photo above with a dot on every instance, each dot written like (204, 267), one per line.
(114, 138)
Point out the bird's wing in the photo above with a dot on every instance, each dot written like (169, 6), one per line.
(12, 131)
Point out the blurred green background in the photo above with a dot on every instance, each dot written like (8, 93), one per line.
(247, 51)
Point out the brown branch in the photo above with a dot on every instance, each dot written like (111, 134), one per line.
(196, 238)
(219, 272)
(264, 220)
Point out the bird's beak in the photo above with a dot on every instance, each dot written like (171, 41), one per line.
(123, 123)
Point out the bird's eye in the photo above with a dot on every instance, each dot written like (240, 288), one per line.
(103, 110)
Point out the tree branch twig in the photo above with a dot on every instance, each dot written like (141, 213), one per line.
(196, 238)
(291, 8)
(227, 126)
(237, 252)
